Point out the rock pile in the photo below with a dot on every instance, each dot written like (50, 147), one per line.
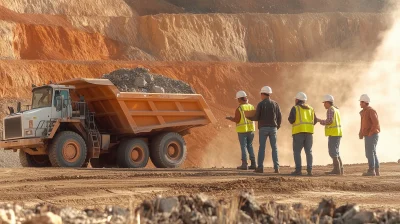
(244, 209)
(141, 80)
(47, 214)
(200, 209)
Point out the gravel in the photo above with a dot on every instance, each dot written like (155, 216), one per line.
(141, 80)
(200, 209)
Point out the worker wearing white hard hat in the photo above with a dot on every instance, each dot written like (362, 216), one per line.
(245, 129)
(303, 118)
(333, 130)
(369, 131)
(269, 117)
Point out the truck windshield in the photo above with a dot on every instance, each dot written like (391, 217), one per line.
(41, 97)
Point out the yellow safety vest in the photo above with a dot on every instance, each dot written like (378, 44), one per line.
(334, 129)
(304, 120)
(245, 125)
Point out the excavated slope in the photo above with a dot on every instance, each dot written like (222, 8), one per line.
(61, 39)
(214, 37)
(128, 8)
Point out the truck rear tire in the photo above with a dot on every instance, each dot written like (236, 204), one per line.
(168, 150)
(68, 149)
(133, 153)
(33, 160)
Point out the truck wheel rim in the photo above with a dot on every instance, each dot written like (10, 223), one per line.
(71, 151)
(174, 150)
(137, 155)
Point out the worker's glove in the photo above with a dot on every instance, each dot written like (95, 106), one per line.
(360, 136)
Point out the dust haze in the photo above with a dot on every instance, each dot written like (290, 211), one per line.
(379, 77)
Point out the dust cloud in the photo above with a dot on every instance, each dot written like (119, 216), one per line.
(380, 79)
(381, 82)
(346, 81)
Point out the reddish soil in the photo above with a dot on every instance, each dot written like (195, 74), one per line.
(99, 187)
(219, 47)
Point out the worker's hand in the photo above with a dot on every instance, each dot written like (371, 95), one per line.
(360, 136)
(229, 118)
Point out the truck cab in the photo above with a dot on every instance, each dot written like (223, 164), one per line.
(49, 103)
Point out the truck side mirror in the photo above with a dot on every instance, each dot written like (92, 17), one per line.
(18, 107)
(11, 109)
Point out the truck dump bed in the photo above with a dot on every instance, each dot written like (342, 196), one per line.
(140, 113)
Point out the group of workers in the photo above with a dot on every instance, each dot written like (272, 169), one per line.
(303, 119)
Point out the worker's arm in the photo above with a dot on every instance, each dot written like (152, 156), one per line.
(235, 119)
(278, 116)
(375, 123)
(292, 115)
(257, 115)
(329, 118)
(360, 135)
(315, 119)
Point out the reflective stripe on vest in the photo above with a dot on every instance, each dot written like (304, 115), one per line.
(304, 120)
(334, 129)
(245, 125)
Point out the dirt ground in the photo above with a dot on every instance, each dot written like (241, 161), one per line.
(89, 188)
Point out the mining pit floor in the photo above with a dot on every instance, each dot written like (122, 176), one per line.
(96, 188)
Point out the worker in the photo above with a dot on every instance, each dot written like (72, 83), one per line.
(333, 130)
(245, 129)
(269, 117)
(369, 130)
(303, 118)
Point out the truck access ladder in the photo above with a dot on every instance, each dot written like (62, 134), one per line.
(93, 133)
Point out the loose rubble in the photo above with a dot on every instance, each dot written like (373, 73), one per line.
(141, 80)
(200, 209)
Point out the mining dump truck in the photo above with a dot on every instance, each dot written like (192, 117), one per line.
(74, 122)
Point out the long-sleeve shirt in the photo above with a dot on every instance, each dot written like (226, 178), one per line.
(329, 117)
(268, 114)
(292, 115)
(369, 122)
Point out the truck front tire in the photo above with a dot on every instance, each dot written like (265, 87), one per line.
(133, 153)
(68, 149)
(28, 160)
(168, 150)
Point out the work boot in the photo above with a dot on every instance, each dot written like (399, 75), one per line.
(253, 165)
(370, 172)
(243, 166)
(309, 173)
(377, 171)
(296, 173)
(336, 169)
(259, 170)
(276, 171)
(341, 166)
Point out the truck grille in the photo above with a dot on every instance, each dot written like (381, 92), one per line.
(12, 127)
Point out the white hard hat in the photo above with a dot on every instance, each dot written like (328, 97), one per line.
(266, 89)
(328, 98)
(301, 96)
(365, 98)
(240, 94)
